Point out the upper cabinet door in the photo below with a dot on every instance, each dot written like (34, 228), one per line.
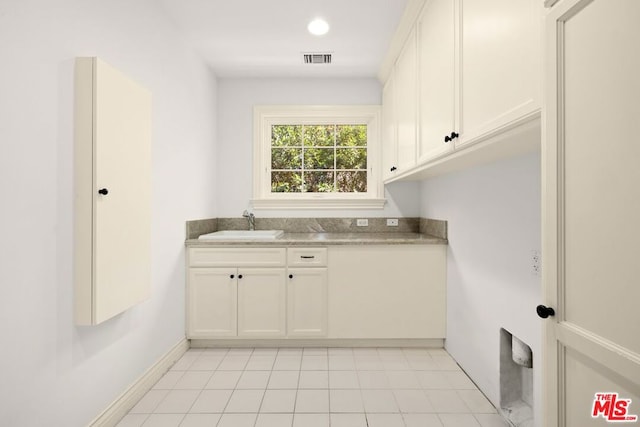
(499, 65)
(406, 103)
(113, 192)
(436, 78)
(389, 147)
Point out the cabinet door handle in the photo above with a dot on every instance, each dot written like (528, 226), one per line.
(291, 276)
(451, 137)
(239, 276)
(103, 191)
(393, 168)
(232, 276)
(307, 256)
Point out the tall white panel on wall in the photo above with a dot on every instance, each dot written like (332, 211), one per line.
(113, 192)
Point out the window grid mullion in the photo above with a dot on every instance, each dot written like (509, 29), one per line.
(302, 175)
(335, 158)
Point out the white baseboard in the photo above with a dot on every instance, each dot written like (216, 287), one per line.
(128, 399)
(319, 342)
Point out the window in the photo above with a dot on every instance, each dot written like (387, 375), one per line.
(315, 157)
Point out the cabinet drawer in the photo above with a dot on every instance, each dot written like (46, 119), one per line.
(307, 257)
(237, 257)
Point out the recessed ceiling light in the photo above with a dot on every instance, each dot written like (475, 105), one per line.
(318, 27)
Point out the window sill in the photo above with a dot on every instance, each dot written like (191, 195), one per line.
(318, 203)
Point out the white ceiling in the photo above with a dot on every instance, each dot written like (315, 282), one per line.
(266, 38)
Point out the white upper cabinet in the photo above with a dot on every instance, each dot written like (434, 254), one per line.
(436, 70)
(406, 104)
(389, 147)
(499, 65)
(468, 74)
(112, 192)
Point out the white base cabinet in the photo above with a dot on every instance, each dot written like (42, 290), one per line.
(387, 292)
(236, 292)
(341, 292)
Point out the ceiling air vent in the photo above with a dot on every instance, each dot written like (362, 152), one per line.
(317, 58)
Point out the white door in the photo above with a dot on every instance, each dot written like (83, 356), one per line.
(212, 302)
(592, 213)
(436, 79)
(307, 302)
(261, 302)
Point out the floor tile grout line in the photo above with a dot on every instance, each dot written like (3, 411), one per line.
(385, 372)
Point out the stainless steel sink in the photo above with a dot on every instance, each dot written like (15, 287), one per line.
(243, 235)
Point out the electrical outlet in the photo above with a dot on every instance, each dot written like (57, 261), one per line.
(536, 263)
(362, 222)
(392, 222)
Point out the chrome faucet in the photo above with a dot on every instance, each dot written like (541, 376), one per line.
(251, 218)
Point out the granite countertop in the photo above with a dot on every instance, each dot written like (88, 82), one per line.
(315, 239)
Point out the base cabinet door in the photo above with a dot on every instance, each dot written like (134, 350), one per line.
(261, 302)
(212, 302)
(387, 291)
(307, 302)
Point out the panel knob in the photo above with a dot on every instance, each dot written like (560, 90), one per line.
(232, 276)
(239, 276)
(103, 191)
(544, 311)
(291, 276)
(393, 168)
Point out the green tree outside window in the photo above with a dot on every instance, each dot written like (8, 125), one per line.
(319, 158)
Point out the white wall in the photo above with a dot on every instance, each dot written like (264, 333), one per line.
(494, 223)
(52, 372)
(236, 98)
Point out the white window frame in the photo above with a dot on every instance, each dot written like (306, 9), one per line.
(265, 116)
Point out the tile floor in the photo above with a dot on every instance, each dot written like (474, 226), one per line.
(314, 387)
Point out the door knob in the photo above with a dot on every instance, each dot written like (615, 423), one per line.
(544, 311)
(103, 191)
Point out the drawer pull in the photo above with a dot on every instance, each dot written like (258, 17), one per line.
(307, 256)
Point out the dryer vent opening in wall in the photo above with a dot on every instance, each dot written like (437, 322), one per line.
(317, 58)
(516, 380)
